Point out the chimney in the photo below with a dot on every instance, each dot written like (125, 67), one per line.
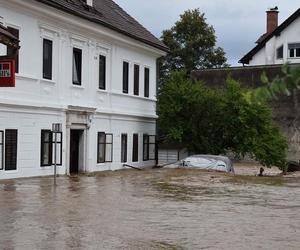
(272, 19)
(89, 2)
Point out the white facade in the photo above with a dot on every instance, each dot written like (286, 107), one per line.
(268, 54)
(36, 103)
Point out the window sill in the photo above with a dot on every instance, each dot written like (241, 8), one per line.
(102, 91)
(77, 86)
(43, 80)
(49, 167)
(136, 97)
(101, 164)
(10, 171)
(26, 77)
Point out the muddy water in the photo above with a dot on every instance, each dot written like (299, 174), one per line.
(160, 209)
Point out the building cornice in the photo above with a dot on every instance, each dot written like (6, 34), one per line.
(82, 25)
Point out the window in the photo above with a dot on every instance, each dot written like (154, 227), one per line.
(146, 147)
(47, 59)
(125, 77)
(124, 148)
(149, 147)
(77, 66)
(136, 79)
(279, 52)
(294, 50)
(101, 148)
(1, 149)
(48, 148)
(11, 51)
(147, 78)
(105, 148)
(8, 149)
(102, 72)
(59, 138)
(135, 148)
(11, 141)
(152, 147)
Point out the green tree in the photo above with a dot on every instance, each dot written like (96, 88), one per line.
(211, 121)
(281, 85)
(192, 44)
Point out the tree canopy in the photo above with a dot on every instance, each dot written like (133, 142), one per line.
(286, 84)
(212, 121)
(192, 44)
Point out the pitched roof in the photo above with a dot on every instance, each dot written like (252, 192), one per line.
(110, 15)
(263, 40)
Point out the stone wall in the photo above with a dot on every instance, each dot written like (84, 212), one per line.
(286, 109)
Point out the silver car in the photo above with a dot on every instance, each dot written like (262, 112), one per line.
(213, 162)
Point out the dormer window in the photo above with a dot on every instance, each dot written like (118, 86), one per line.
(294, 50)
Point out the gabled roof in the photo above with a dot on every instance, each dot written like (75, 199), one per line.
(110, 15)
(264, 39)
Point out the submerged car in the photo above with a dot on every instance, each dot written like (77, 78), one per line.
(213, 162)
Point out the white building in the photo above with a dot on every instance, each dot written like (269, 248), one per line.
(279, 45)
(87, 65)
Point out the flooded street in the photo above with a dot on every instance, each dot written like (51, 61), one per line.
(155, 209)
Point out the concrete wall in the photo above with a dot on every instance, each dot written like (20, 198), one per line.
(286, 110)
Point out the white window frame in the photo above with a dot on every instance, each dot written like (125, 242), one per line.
(295, 49)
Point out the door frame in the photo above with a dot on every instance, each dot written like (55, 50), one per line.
(84, 150)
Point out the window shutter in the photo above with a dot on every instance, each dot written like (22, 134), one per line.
(125, 77)
(1, 149)
(146, 147)
(124, 148)
(135, 150)
(11, 140)
(136, 79)
(294, 46)
(147, 79)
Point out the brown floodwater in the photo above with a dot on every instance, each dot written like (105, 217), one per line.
(155, 209)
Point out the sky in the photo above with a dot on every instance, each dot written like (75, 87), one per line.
(237, 23)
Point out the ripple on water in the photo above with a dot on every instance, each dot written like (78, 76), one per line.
(160, 209)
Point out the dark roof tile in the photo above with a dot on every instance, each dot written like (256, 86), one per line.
(110, 15)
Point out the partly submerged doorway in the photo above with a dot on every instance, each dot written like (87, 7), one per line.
(76, 151)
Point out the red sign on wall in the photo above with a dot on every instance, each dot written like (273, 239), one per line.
(7, 73)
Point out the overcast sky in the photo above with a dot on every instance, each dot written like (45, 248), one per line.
(238, 23)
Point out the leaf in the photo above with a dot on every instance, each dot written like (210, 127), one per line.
(264, 78)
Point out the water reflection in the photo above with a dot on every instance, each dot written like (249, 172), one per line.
(161, 209)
